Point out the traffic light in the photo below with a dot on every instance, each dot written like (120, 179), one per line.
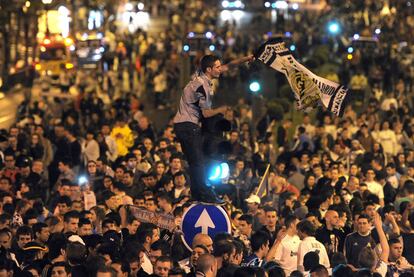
(216, 149)
(218, 172)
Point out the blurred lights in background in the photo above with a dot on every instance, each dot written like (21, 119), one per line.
(350, 50)
(333, 27)
(356, 36)
(254, 86)
(238, 4)
(281, 5)
(229, 15)
(219, 172)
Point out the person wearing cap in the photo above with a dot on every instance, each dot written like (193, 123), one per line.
(34, 254)
(253, 203)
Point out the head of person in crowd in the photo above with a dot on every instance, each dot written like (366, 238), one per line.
(319, 271)
(313, 218)
(332, 219)
(151, 204)
(6, 237)
(253, 203)
(71, 222)
(205, 240)
(110, 223)
(363, 225)
(396, 249)
(147, 234)
(162, 266)
(260, 244)
(76, 252)
(175, 164)
(24, 235)
(165, 202)
(85, 227)
(132, 225)
(367, 259)
(207, 265)
(223, 251)
(235, 216)
(110, 200)
(121, 268)
(240, 249)
(310, 260)
(305, 229)
(180, 180)
(159, 248)
(105, 271)
(271, 217)
(60, 269)
(246, 225)
(369, 208)
(41, 233)
(198, 250)
(133, 254)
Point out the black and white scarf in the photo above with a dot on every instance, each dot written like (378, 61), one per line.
(309, 89)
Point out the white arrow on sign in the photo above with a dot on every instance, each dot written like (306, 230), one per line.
(205, 222)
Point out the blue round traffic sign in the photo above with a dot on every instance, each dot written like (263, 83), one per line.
(206, 219)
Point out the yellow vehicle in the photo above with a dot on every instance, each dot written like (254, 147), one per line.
(54, 56)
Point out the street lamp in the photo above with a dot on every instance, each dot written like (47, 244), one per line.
(46, 3)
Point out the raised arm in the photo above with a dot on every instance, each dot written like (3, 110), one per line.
(236, 62)
(385, 249)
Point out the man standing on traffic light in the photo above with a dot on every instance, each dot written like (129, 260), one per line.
(196, 104)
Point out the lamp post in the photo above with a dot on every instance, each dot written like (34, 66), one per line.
(47, 3)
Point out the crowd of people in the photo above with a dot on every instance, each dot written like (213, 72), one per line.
(339, 199)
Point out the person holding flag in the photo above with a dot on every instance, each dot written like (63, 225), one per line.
(195, 105)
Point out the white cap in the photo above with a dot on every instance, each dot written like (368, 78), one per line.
(253, 199)
(76, 238)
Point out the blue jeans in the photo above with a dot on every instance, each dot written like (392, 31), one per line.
(191, 139)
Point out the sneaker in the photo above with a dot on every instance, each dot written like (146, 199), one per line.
(210, 199)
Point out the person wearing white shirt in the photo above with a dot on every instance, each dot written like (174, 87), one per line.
(373, 186)
(306, 232)
(287, 251)
(388, 139)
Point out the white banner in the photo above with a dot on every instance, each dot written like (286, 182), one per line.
(309, 88)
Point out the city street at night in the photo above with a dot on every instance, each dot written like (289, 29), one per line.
(204, 138)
